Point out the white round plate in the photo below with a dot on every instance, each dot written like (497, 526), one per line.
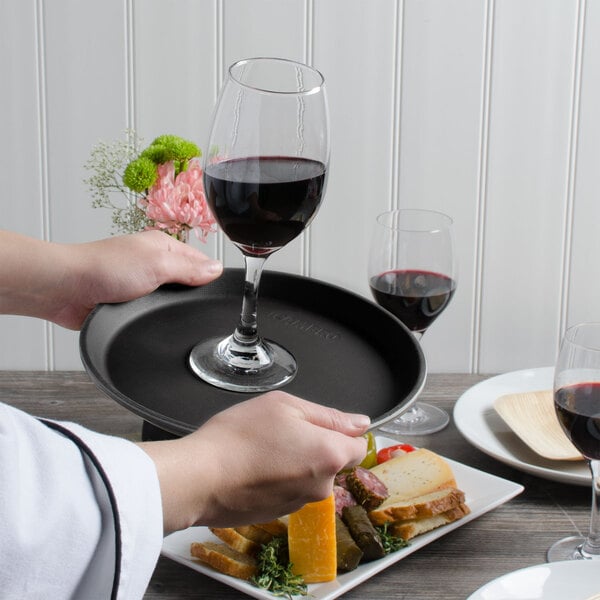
(483, 427)
(568, 580)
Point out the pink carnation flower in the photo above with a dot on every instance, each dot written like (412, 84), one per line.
(177, 204)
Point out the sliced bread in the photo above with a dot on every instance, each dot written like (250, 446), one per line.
(255, 533)
(414, 474)
(276, 527)
(413, 527)
(225, 559)
(427, 505)
(236, 540)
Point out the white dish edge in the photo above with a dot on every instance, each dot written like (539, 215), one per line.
(573, 579)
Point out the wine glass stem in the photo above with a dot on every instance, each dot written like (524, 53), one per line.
(592, 543)
(415, 413)
(246, 333)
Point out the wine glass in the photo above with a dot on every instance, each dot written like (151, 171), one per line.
(264, 178)
(577, 405)
(413, 274)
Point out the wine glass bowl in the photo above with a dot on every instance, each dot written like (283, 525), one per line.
(413, 274)
(257, 203)
(264, 178)
(577, 405)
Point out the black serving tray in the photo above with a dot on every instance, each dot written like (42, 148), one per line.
(351, 354)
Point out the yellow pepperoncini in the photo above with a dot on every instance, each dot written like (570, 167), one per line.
(370, 459)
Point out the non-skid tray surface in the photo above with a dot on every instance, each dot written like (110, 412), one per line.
(351, 354)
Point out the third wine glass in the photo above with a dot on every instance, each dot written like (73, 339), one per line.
(413, 274)
(577, 404)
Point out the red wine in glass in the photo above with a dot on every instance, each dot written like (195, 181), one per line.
(417, 298)
(264, 202)
(578, 410)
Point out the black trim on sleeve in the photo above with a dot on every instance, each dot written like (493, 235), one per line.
(109, 490)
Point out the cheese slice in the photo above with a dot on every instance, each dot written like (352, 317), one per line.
(414, 474)
(312, 543)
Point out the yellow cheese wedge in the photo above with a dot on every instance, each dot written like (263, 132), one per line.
(311, 540)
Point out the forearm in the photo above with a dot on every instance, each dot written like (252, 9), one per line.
(35, 276)
(186, 481)
(64, 282)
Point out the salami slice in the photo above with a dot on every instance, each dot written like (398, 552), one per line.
(368, 490)
(342, 498)
(340, 479)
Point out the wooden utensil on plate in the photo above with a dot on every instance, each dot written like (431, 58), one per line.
(532, 417)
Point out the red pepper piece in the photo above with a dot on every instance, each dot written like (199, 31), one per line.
(389, 452)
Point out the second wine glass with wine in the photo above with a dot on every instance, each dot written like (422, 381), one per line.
(413, 274)
(264, 177)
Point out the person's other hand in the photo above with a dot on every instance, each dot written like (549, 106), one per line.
(260, 459)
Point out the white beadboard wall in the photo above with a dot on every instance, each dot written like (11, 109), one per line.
(484, 109)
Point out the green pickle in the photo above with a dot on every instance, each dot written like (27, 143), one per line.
(370, 459)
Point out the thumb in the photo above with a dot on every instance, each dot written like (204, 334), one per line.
(206, 271)
(192, 268)
(352, 424)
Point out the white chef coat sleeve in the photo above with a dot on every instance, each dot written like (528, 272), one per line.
(80, 512)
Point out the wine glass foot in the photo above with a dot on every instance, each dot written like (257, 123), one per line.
(421, 419)
(568, 548)
(259, 368)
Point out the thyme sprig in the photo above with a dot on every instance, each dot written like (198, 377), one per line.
(275, 571)
(391, 543)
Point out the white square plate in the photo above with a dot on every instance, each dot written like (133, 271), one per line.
(483, 492)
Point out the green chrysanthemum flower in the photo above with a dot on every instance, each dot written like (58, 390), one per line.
(140, 174)
(170, 147)
(157, 153)
(167, 148)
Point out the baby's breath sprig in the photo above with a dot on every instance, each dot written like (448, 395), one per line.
(106, 164)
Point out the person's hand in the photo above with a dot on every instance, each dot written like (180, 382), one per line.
(126, 267)
(64, 282)
(258, 460)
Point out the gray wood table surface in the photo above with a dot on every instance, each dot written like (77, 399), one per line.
(513, 536)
